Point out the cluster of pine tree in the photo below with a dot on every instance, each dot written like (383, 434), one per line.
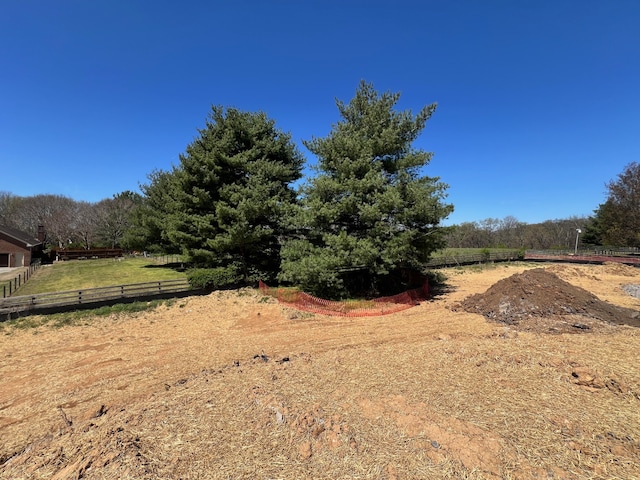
(368, 213)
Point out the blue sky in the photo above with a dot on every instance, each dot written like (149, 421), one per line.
(538, 101)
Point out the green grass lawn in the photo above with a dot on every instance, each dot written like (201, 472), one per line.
(79, 274)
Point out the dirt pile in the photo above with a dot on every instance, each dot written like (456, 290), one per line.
(539, 300)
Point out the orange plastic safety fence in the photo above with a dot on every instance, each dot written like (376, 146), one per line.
(348, 308)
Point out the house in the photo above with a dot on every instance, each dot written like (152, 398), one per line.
(19, 249)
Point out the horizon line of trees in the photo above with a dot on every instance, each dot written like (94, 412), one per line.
(70, 223)
(509, 232)
(111, 223)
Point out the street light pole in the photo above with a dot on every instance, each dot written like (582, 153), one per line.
(578, 232)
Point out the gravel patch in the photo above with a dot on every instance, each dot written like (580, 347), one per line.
(633, 290)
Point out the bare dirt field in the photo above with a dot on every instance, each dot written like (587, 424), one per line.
(523, 381)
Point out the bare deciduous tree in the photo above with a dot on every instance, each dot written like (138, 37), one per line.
(114, 216)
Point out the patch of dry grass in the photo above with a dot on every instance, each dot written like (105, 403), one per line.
(232, 386)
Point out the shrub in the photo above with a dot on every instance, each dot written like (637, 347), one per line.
(214, 278)
(436, 278)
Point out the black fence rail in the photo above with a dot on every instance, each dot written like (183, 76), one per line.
(91, 297)
(10, 286)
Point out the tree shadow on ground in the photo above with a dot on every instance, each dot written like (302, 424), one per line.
(440, 290)
(177, 266)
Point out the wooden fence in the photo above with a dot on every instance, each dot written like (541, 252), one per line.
(587, 257)
(92, 297)
(455, 260)
(84, 253)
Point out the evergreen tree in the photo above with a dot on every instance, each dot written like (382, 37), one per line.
(369, 209)
(230, 193)
(152, 214)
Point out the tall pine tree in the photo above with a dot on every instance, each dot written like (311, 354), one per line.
(230, 194)
(369, 210)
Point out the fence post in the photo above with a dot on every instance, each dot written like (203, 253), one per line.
(80, 297)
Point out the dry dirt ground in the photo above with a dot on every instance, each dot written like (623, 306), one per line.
(235, 386)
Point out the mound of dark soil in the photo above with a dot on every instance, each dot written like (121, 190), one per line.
(538, 300)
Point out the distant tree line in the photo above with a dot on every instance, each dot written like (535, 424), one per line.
(615, 223)
(366, 216)
(509, 232)
(69, 223)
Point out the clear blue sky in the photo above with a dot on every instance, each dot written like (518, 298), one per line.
(538, 100)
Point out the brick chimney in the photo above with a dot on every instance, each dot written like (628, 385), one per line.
(41, 233)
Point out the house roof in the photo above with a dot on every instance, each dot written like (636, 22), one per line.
(24, 238)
